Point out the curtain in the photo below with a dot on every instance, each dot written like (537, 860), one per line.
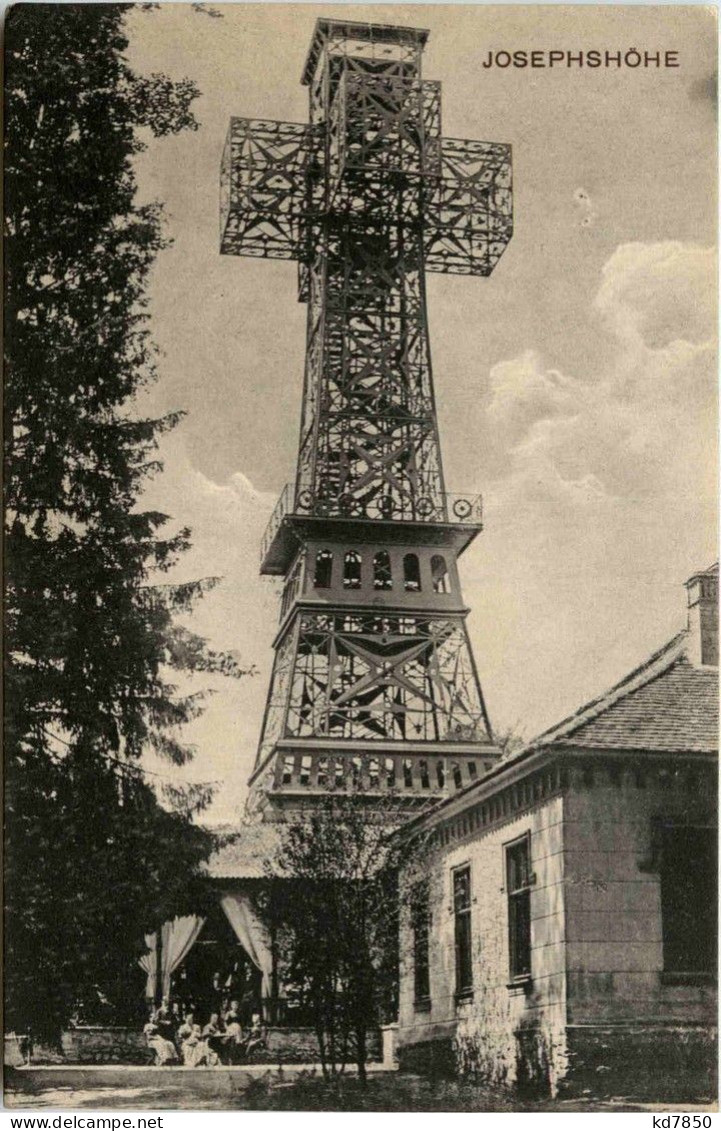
(149, 963)
(252, 935)
(178, 937)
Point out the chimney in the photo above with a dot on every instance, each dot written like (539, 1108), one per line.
(702, 591)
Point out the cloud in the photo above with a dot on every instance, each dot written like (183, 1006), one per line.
(523, 392)
(600, 491)
(641, 422)
(227, 521)
(655, 294)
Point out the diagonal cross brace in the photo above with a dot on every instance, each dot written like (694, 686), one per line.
(281, 185)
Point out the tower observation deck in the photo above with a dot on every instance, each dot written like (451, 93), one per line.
(374, 686)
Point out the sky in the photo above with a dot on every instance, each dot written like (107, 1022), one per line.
(576, 386)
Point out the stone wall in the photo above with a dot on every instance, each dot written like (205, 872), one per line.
(508, 1036)
(601, 1012)
(613, 898)
(300, 1046)
(89, 1044)
(96, 1044)
(645, 1061)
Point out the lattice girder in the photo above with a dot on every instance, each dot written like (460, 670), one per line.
(263, 188)
(366, 198)
(470, 217)
(369, 677)
(369, 443)
(381, 130)
(378, 164)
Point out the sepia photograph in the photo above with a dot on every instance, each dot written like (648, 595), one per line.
(361, 558)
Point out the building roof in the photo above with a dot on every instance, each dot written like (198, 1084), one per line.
(245, 852)
(666, 704)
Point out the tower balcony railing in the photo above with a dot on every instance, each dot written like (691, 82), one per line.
(457, 508)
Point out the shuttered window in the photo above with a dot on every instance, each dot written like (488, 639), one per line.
(689, 879)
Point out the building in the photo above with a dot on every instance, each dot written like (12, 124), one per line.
(560, 924)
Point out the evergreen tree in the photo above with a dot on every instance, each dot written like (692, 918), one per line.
(92, 639)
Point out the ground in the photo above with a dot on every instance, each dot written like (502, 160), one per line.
(265, 1089)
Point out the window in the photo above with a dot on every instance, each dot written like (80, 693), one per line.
(288, 768)
(352, 570)
(382, 576)
(462, 917)
(689, 878)
(439, 574)
(411, 573)
(425, 780)
(420, 924)
(323, 569)
(306, 763)
(518, 888)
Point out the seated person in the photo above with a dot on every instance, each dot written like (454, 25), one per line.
(164, 1021)
(257, 1036)
(213, 1036)
(165, 1051)
(194, 1048)
(233, 1012)
(185, 1029)
(232, 1041)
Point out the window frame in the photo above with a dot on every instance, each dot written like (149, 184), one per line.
(517, 897)
(381, 583)
(412, 565)
(441, 585)
(463, 933)
(671, 972)
(352, 580)
(323, 558)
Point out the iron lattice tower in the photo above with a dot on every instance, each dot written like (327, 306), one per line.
(374, 684)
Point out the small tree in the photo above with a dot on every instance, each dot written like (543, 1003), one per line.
(336, 905)
(511, 739)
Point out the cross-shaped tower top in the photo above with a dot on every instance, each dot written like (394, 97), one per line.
(373, 120)
(367, 197)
